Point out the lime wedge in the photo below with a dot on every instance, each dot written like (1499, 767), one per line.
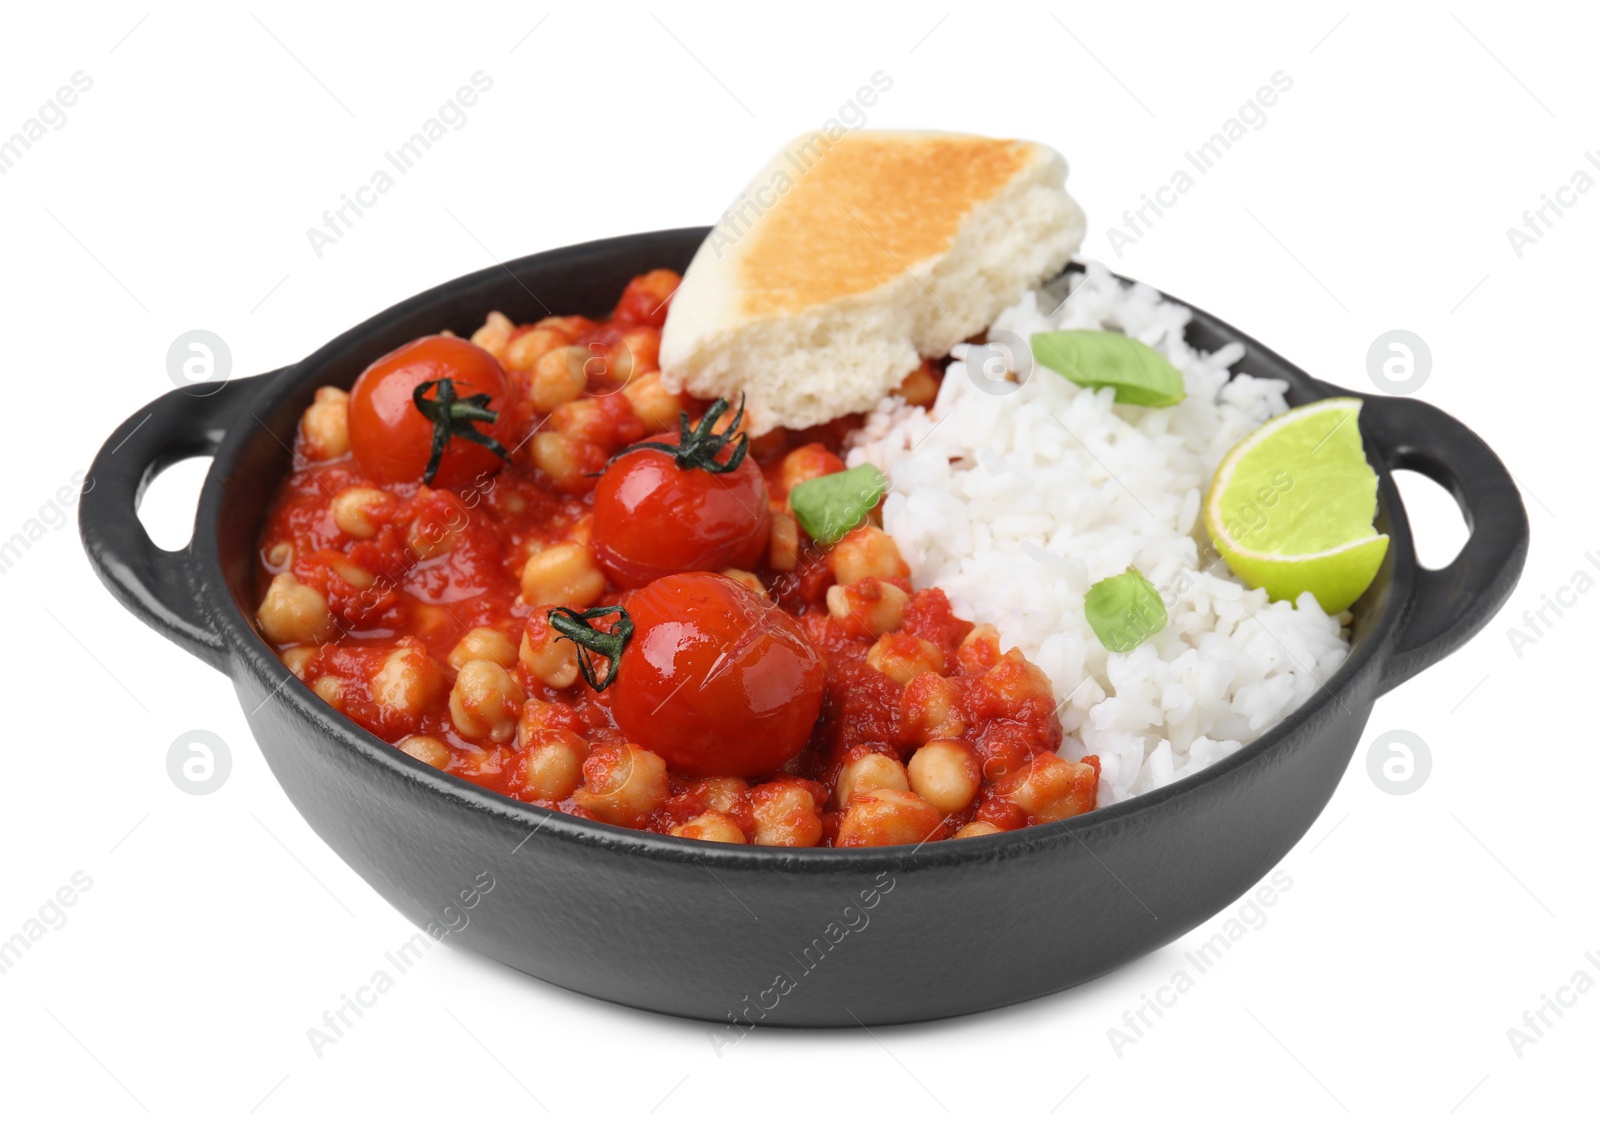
(1291, 507)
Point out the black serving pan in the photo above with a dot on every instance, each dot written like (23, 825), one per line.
(743, 935)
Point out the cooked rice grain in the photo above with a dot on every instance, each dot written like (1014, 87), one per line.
(1015, 504)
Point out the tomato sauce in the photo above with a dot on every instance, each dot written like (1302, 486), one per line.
(387, 597)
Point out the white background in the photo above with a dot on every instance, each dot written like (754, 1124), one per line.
(177, 195)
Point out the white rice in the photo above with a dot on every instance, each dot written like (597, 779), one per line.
(1016, 504)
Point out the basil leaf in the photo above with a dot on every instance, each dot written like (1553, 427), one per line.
(1125, 611)
(828, 507)
(1095, 359)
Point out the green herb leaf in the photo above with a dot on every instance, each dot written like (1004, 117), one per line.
(828, 507)
(1125, 611)
(1095, 359)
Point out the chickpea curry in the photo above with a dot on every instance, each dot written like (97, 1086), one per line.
(524, 560)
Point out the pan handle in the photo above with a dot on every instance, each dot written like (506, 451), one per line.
(1450, 605)
(158, 586)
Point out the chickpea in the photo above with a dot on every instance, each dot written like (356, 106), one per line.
(617, 365)
(358, 577)
(638, 352)
(298, 658)
(483, 644)
(407, 683)
(565, 575)
(711, 826)
(494, 335)
(325, 426)
(546, 655)
(724, 793)
(875, 771)
(887, 817)
(429, 619)
(656, 288)
(976, 829)
(425, 748)
(582, 420)
(745, 578)
(785, 814)
(566, 459)
(930, 708)
(485, 702)
(1014, 679)
(552, 764)
(979, 651)
(331, 689)
(1050, 788)
(806, 463)
(945, 775)
(867, 553)
(360, 511)
(902, 657)
(525, 352)
(783, 547)
(280, 555)
(429, 537)
(558, 377)
(623, 784)
(293, 611)
(571, 327)
(870, 607)
(920, 388)
(538, 715)
(554, 453)
(654, 405)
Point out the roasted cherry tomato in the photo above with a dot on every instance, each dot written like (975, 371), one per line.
(686, 502)
(706, 673)
(456, 425)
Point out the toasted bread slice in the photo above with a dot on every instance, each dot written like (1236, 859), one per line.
(847, 260)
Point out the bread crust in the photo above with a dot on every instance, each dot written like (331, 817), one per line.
(863, 253)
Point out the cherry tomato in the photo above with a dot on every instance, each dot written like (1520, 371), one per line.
(392, 439)
(658, 511)
(715, 679)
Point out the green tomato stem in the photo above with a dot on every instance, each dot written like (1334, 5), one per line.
(454, 417)
(591, 640)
